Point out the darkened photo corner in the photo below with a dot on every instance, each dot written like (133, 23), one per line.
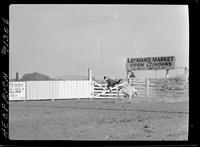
(4, 101)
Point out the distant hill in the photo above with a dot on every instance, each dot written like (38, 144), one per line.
(41, 77)
(71, 77)
(10, 80)
(35, 77)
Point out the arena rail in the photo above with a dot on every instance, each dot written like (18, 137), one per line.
(78, 89)
(50, 90)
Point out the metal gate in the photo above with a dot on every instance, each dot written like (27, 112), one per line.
(101, 91)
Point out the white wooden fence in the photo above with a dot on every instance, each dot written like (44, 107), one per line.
(151, 88)
(161, 87)
(101, 91)
(44, 90)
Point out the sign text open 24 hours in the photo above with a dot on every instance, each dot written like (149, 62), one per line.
(150, 63)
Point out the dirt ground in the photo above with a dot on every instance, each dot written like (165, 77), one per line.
(98, 119)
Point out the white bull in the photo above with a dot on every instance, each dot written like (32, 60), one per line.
(128, 90)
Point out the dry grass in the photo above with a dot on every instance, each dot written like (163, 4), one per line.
(102, 119)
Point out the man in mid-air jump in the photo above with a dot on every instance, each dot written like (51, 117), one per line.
(111, 82)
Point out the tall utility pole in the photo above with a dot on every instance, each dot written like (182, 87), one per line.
(101, 50)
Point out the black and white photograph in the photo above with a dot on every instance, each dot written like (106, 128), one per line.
(103, 72)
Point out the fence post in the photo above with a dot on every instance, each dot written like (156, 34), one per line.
(146, 87)
(167, 73)
(91, 90)
(89, 74)
(52, 85)
(186, 74)
(91, 83)
(25, 91)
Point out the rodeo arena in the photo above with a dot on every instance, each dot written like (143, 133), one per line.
(116, 109)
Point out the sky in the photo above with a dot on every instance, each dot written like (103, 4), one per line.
(58, 40)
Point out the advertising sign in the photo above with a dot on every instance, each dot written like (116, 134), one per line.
(150, 63)
(16, 90)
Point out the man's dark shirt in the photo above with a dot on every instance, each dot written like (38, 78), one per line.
(112, 83)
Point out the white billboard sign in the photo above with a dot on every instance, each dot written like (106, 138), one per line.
(16, 90)
(150, 63)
